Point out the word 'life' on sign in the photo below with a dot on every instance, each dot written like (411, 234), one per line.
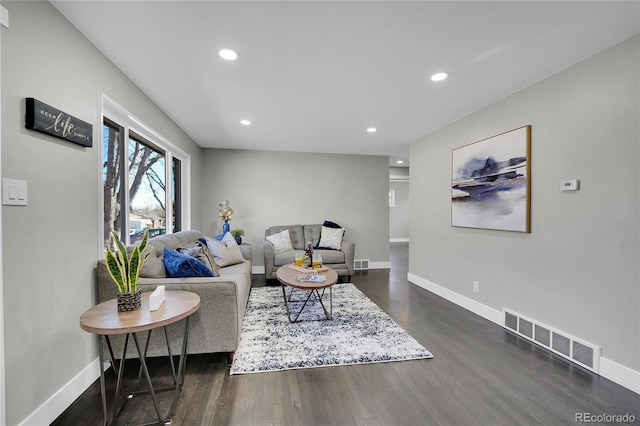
(51, 121)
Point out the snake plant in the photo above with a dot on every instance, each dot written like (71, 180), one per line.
(123, 267)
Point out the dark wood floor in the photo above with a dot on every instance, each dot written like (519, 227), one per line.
(481, 375)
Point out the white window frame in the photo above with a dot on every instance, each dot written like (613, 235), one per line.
(111, 110)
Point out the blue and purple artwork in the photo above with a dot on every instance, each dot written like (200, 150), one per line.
(490, 183)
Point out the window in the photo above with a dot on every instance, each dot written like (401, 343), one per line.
(149, 162)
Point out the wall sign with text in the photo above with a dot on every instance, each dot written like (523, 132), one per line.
(47, 119)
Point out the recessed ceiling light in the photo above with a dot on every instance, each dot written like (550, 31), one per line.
(228, 54)
(245, 122)
(439, 76)
(372, 130)
(399, 162)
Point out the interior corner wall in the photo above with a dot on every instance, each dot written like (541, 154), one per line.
(283, 188)
(577, 270)
(51, 245)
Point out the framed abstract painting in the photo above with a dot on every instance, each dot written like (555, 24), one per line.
(491, 183)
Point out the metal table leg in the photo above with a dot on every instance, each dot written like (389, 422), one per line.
(182, 366)
(143, 363)
(319, 297)
(178, 376)
(328, 314)
(103, 391)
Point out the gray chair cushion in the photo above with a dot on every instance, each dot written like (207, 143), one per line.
(331, 256)
(284, 258)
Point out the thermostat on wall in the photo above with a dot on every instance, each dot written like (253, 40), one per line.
(570, 185)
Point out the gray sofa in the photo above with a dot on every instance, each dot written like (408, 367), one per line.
(216, 326)
(339, 260)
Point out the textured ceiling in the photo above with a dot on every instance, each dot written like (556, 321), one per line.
(314, 75)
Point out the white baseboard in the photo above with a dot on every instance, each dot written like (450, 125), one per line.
(379, 265)
(617, 373)
(64, 397)
(398, 240)
(474, 306)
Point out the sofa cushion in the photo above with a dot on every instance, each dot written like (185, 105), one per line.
(182, 265)
(312, 233)
(225, 252)
(330, 257)
(284, 258)
(281, 241)
(243, 268)
(175, 240)
(154, 266)
(331, 238)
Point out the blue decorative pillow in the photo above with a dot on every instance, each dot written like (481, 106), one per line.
(180, 265)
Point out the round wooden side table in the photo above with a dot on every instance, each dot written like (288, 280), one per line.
(105, 320)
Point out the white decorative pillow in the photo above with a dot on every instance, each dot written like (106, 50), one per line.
(225, 252)
(331, 238)
(281, 241)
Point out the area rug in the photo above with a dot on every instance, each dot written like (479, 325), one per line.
(359, 333)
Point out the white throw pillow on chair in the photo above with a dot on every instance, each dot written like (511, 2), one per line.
(281, 241)
(331, 238)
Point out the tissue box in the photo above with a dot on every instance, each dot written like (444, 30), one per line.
(156, 299)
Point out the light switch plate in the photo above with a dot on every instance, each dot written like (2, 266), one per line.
(14, 192)
(570, 185)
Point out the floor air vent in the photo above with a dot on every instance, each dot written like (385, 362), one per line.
(361, 264)
(582, 353)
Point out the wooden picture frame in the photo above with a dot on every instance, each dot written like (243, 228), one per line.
(491, 183)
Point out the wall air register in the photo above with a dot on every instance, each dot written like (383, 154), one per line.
(582, 353)
(360, 264)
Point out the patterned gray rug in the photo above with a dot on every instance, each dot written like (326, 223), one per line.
(359, 333)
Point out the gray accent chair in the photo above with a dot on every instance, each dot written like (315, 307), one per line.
(339, 260)
(216, 326)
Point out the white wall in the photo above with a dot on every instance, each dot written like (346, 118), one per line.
(399, 214)
(3, 412)
(281, 188)
(578, 269)
(51, 245)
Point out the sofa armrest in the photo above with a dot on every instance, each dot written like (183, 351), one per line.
(247, 251)
(349, 250)
(269, 258)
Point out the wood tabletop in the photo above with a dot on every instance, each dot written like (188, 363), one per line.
(287, 276)
(105, 318)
